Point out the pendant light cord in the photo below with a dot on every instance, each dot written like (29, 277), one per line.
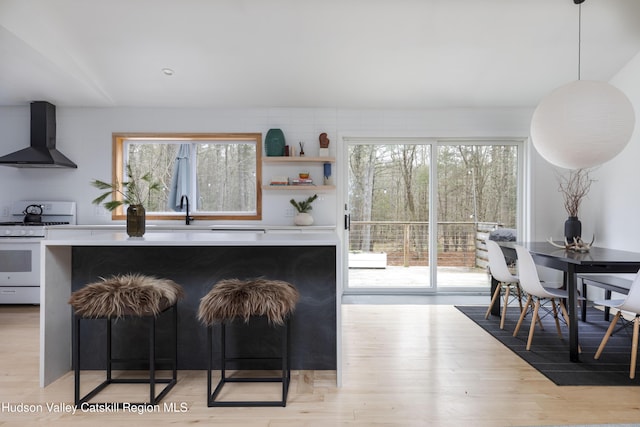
(579, 36)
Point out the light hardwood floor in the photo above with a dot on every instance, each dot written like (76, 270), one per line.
(409, 365)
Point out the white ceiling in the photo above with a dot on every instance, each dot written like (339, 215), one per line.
(307, 53)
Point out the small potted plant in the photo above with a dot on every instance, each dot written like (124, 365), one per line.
(303, 217)
(134, 192)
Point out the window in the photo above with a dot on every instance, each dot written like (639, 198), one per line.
(422, 206)
(219, 173)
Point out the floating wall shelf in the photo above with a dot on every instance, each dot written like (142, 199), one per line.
(296, 159)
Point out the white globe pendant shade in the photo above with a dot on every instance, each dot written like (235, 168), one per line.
(582, 124)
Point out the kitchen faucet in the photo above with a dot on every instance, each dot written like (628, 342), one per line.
(187, 218)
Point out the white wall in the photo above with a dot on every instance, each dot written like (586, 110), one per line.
(614, 202)
(84, 135)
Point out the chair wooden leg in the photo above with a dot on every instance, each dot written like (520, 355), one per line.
(555, 317)
(519, 295)
(495, 296)
(533, 323)
(540, 324)
(539, 320)
(504, 308)
(634, 347)
(564, 311)
(522, 314)
(612, 326)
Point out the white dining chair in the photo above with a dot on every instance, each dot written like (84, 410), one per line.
(530, 283)
(506, 281)
(631, 304)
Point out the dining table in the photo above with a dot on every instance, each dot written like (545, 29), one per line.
(573, 263)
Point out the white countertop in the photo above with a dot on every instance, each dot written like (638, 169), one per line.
(200, 227)
(204, 238)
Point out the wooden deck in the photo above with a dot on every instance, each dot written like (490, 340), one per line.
(418, 277)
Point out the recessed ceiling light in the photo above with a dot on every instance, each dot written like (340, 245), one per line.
(167, 71)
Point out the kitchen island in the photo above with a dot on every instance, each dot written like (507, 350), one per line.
(195, 260)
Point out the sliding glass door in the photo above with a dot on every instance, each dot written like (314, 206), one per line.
(477, 194)
(418, 211)
(388, 199)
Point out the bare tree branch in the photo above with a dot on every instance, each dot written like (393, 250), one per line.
(574, 187)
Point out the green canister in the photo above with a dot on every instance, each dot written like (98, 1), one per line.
(274, 142)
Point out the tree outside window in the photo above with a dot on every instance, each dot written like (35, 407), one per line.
(219, 173)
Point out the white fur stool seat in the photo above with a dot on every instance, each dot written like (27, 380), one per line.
(126, 295)
(119, 297)
(233, 298)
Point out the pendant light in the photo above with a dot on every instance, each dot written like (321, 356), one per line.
(584, 123)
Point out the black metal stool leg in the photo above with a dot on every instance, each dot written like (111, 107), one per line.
(152, 380)
(284, 377)
(109, 353)
(232, 296)
(223, 350)
(175, 343)
(152, 360)
(209, 360)
(285, 362)
(76, 359)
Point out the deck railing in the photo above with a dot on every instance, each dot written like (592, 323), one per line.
(406, 243)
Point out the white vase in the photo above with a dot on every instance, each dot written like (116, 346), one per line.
(303, 218)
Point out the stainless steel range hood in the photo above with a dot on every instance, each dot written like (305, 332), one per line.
(42, 153)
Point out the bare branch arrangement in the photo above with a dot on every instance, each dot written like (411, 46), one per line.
(574, 187)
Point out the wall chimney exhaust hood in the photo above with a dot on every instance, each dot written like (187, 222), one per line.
(42, 153)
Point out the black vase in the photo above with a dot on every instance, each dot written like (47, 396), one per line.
(136, 220)
(572, 228)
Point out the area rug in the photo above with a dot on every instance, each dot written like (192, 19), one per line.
(550, 355)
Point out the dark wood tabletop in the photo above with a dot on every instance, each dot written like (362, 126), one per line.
(596, 255)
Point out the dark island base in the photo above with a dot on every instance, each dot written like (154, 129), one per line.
(312, 269)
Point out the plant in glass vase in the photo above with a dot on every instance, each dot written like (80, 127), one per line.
(574, 187)
(303, 217)
(134, 192)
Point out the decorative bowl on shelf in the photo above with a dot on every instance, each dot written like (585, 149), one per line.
(304, 175)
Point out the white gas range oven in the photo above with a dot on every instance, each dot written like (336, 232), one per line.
(20, 247)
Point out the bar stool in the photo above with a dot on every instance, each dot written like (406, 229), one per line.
(234, 298)
(120, 298)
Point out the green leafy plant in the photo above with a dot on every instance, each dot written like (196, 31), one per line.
(305, 205)
(134, 191)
